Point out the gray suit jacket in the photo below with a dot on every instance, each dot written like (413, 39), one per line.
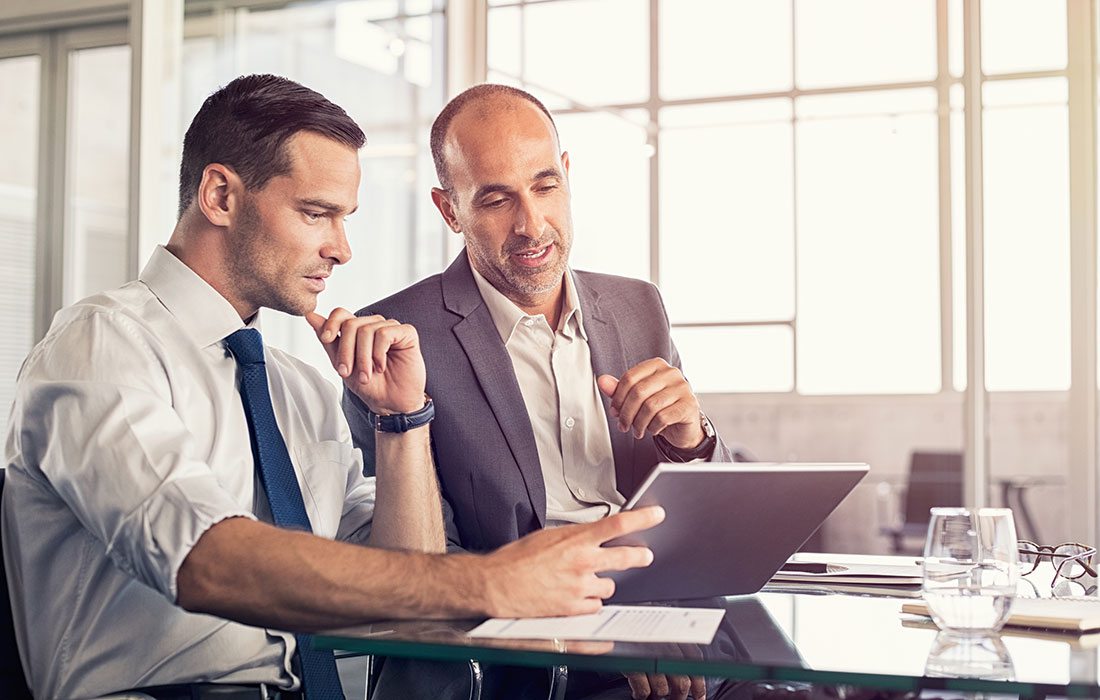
(484, 446)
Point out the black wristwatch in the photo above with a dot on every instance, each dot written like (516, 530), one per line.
(402, 422)
(701, 451)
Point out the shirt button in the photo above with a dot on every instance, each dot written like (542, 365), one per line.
(581, 493)
(569, 423)
(528, 322)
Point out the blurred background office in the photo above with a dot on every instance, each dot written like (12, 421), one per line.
(874, 223)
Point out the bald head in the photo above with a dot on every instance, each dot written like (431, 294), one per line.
(474, 105)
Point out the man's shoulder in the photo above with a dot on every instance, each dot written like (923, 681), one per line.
(422, 300)
(604, 280)
(611, 288)
(124, 309)
(107, 337)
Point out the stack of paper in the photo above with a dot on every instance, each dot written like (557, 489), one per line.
(617, 623)
(854, 573)
(1077, 614)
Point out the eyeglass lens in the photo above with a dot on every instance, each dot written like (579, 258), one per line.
(1071, 556)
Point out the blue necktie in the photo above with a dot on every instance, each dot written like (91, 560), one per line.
(318, 668)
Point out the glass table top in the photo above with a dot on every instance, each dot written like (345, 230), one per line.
(808, 636)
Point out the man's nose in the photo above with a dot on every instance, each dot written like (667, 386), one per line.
(337, 247)
(529, 222)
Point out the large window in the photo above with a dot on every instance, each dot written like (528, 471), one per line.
(791, 172)
(18, 203)
(383, 62)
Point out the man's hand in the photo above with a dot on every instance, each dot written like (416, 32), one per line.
(553, 571)
(653, 397)
(652, 686)
(378, 358)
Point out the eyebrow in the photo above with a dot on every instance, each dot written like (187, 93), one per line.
(548, 172)
(327, 206)
(495, 187)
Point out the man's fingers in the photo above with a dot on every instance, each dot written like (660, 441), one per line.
(659, 404)
(602, 588)
(392, 335)
(631, 377)
(639, 686)
(315, 321)
(334, 323)
(663, 381)
(698, 688)
(364, 349)
(607, 384)
(678, 687)
(621, 558)
(658, 684)
(624, 523)
(670, 416)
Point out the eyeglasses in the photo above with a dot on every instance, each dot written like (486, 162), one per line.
(1071, 560)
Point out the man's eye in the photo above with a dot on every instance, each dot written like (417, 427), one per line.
(496, 203)
(548, 188)
(314, 215)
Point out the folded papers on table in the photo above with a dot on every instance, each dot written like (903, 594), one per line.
(616, 623)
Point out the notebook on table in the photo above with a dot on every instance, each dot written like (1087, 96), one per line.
(1075, 614)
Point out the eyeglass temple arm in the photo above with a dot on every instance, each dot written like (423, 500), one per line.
(1082, 559)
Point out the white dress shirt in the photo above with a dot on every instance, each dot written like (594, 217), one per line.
(554, 372)
(127, 441)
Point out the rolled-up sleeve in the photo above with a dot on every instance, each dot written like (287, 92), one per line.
(106, 438)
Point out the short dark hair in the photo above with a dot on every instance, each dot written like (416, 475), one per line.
(484, 91)
(246, 124)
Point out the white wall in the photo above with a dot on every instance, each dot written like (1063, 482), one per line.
(1027, 437)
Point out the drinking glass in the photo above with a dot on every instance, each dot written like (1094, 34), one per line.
(970, 569)
(985, 657)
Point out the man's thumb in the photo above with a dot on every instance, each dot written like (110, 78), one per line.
(607, 384)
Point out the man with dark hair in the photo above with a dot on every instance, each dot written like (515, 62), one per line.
(559, 390)
(181, 499)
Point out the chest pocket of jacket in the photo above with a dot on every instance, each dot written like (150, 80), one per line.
(324, 467)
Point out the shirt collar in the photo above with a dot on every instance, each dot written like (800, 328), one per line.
(506, 315)
(204, 313)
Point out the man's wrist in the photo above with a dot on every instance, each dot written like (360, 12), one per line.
(702, 450)
(402, 422)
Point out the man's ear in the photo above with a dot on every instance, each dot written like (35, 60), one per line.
(565, 162)
(442, 200)
(218, 194)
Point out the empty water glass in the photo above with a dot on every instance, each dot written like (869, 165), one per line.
(970, 568)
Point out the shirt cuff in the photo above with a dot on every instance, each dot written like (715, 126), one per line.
(170, 523)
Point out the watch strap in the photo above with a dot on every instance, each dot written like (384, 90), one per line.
(701, 451)
(402, 422)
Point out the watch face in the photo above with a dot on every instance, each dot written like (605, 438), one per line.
(708, 428)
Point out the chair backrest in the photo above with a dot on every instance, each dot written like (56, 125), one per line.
(935, 479)
(13, 684)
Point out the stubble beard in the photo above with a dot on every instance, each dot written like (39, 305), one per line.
(257, 271)
(526, 288)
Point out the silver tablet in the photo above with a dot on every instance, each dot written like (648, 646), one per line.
(728, 527)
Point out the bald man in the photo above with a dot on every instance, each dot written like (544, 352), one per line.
(559, 390)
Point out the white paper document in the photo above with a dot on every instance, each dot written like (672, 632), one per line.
(614, 623)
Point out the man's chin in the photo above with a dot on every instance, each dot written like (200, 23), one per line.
(294, 307)
(537, 283)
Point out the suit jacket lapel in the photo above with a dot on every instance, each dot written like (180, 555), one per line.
(481, 342)
(605, 344)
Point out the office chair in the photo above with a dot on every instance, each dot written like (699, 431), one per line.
(13, 683)
(935, 479)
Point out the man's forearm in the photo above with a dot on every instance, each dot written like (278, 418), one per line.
(261, 575)
(408, 513)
